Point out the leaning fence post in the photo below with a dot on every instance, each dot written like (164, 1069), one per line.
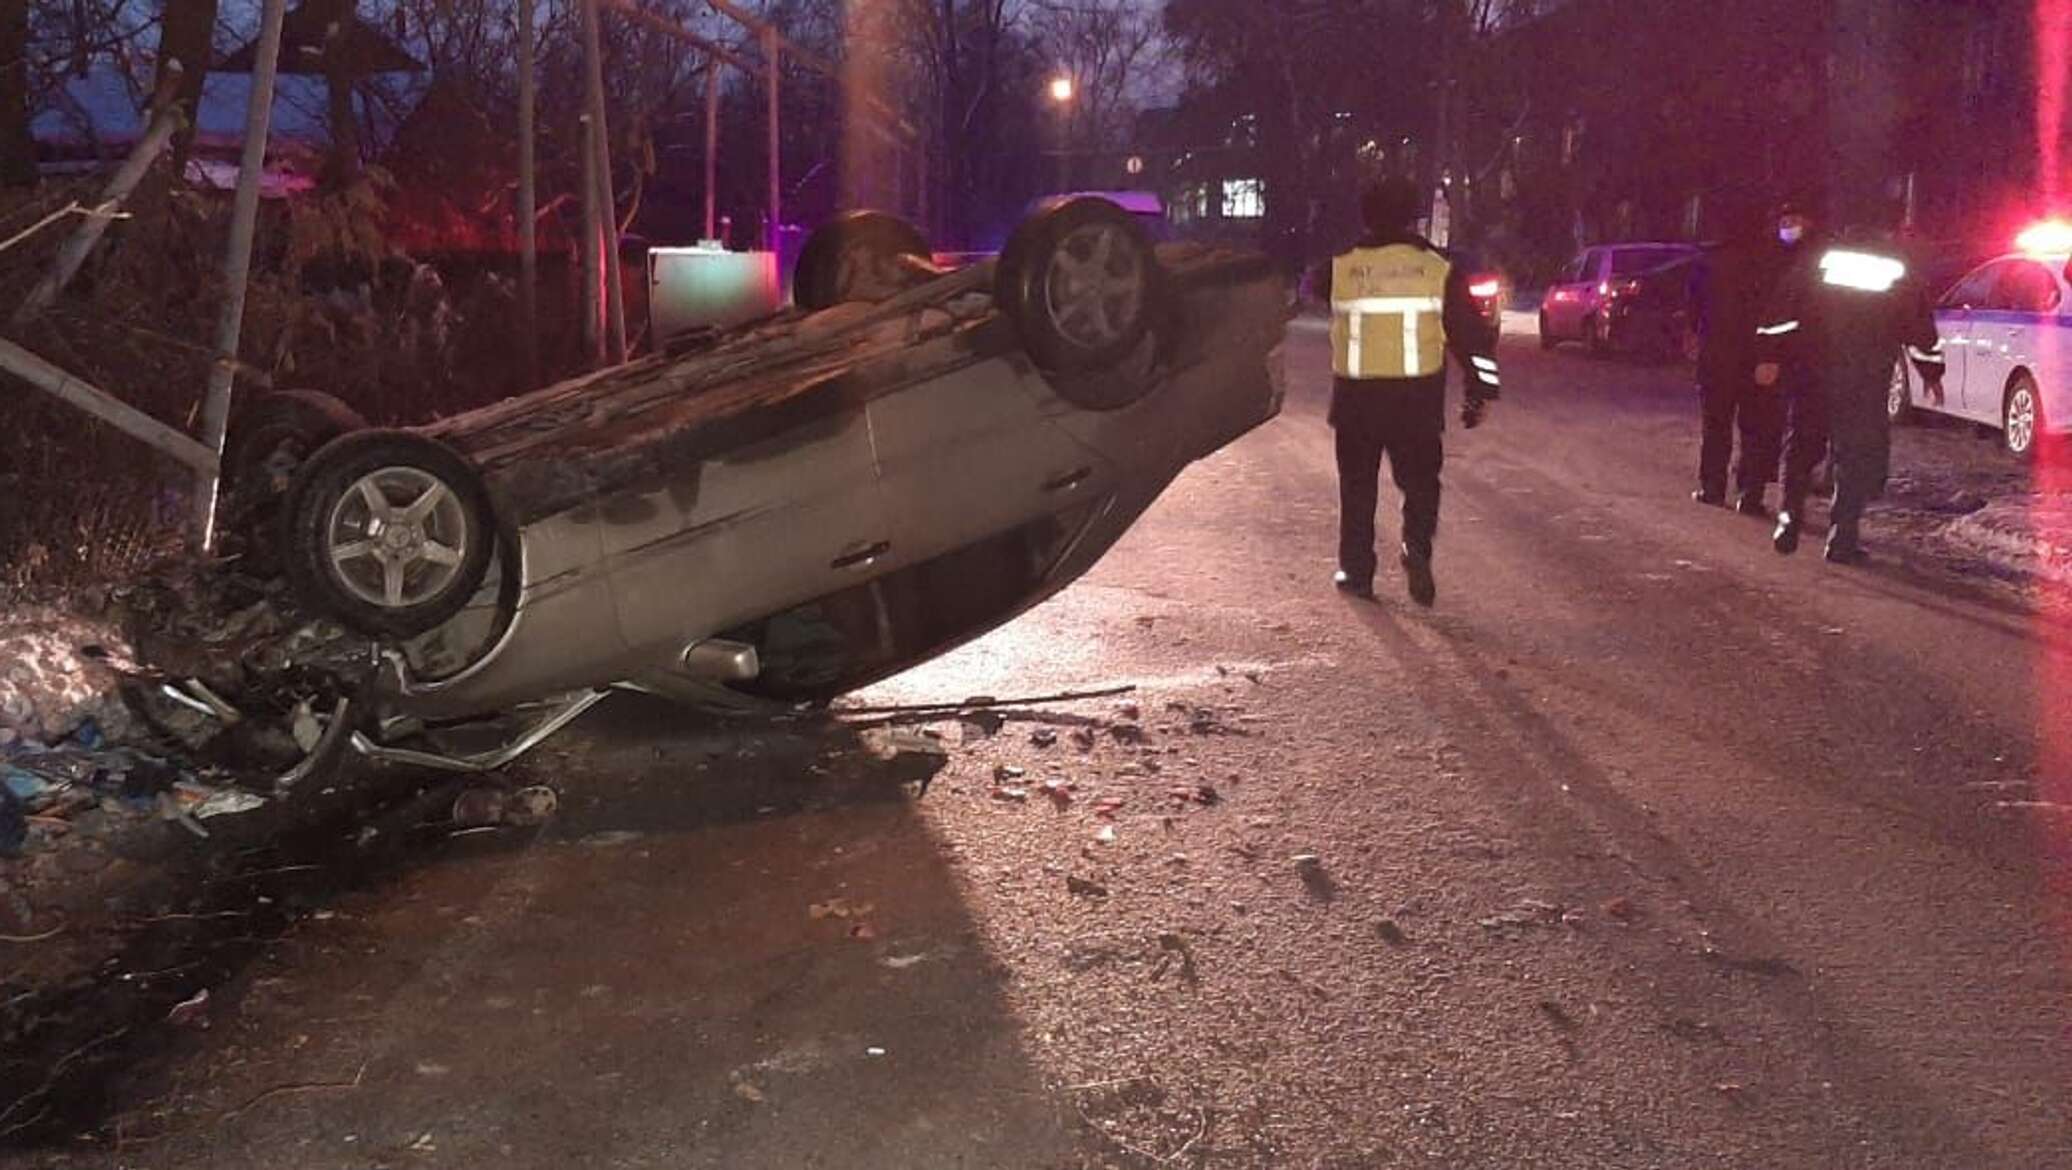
(75, 249)
(237, 266)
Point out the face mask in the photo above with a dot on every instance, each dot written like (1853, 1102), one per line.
(1791, 233)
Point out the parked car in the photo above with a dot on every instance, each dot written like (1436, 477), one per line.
(781, 512)
(1585, 303)
(2005, 330)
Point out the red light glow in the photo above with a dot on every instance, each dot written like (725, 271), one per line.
(2051, 237)
(1484, 288)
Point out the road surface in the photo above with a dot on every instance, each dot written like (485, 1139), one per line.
(1645, 848)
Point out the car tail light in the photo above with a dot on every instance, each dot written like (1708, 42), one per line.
(1623, 288)
(1485, 288)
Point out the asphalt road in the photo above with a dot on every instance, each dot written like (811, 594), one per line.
(1645, 848)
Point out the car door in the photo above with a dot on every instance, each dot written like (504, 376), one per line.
(1972, 293)
(1565, 300)
(2004, 338)
(791, 512)
(974, 452)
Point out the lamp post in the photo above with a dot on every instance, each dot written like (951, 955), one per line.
(1062, 91)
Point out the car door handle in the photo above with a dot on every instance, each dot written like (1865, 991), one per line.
(861, 558)
(1069, 480)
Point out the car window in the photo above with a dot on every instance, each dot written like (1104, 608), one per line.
(1578, 269)
(2027, 287)
(1975, 290)
(1633, 261)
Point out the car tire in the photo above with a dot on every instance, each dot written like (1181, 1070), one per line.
(857, 256)
(1597, 335)
(1081, 284)
(268, 440)
(1547, 338)
(2021, 419)
(388, 532)
(1899, 401)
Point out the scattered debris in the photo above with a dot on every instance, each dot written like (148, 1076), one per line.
(838, 908)
(1084, 888)
(1106, 807)
(1008, 772)
(1010, 792)
(1390, 932)
(1084, 737)
(747, 1091)
(1043, 737)
(1105, 834)
(1621, 909)
(1060, 792)
(1528, 912)
(1558, 1014)
(477, 808)
(190, 1012)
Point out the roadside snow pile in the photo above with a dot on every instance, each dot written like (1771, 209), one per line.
(190, 684)
(2029, 534)
(57, 671)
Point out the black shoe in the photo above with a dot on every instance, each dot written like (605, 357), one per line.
(1710, 499)
(1846, 554)
(1353, 586)
(1751, 504)
(1786, 539)
(1417, 575)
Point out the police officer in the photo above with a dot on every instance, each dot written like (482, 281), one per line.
(1839, 320)
(1730, 302)
(1397, 305)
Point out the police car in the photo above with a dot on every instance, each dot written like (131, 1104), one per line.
(2006, 329)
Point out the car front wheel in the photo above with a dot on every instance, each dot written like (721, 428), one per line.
(388, 532)
(2021, 418)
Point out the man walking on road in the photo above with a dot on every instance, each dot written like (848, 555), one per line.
(1398, 304)
(1738, 279)
(1839, 321)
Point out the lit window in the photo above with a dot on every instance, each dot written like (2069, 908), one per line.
(1243, 199)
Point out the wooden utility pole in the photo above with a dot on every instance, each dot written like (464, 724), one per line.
(600, 148)
(528, 202)
(771, 49)
(593, 309)
(237, 267)
(711, 150)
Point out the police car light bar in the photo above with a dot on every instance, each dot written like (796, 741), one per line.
(2050, 237)
(1860, 270)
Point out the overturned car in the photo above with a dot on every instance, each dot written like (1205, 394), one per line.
(776, 513)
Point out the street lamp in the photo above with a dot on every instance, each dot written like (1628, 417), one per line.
(1061, 91)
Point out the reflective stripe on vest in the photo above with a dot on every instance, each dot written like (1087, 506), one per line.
(1387, 312)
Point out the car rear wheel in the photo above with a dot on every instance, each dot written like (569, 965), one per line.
(268, 441)
(2021, 418)
(388, 532)
(1899, 402)
(858, 256)
(1081, 284)
(1547, 338)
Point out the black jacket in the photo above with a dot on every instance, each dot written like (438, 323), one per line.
(1730, 302)
(1847, 338)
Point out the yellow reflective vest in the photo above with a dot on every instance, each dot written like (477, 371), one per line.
(1388, 312)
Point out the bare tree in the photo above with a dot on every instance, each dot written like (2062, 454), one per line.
(17, 149)
(1107, 48)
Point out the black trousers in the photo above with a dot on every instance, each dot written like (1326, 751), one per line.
(1846, 419)
(1416, 451)
(1757, 412)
